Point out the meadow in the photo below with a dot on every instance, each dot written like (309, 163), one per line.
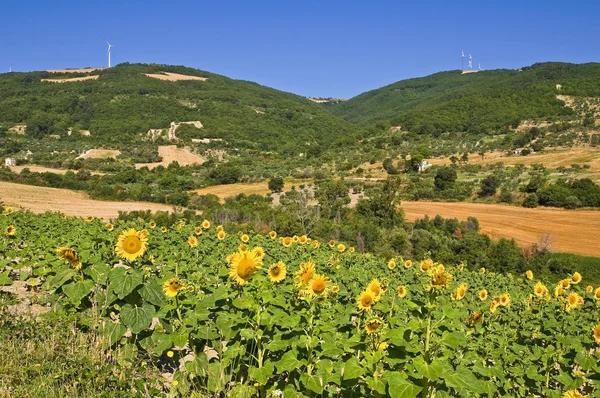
(192, 309)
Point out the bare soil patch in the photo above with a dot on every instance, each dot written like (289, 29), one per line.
(72, 79)
(42, 169)
(172, 77)
(171, 153)
(100, 154)
(72, 203)
(254, 188)
(572, 231)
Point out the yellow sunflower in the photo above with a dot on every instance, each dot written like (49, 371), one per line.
(408, 264)
(558, 291)
(476, 318)
(89, 219)
(540, 289)
(341, 247)
(597, 333)
(69, 256)
(295, 239)
(375, 287)
(109, 226)
(206, 224)
(573, 301)
(494, 305)
(305, 273)
(272, 234)
(198, 231)
(439, 278)
(315, 244)
(402, 291)
(483, 294)
(374, 325)
(163, 229)
(365, 300)
(426, 264)
(589, 289)
(335, 288)
(318, 286)
(8, 210)
(259, 251)
(482, 270)
(221, 235)
(287, 241)
(565, 283)
(131, 244)
(192, 241)
(331, 243)
(152, 224)
(10, 230)
(243, 266)
(576, 278)
(243, 248)
(144, 232)
(277, 272)
(529, 274)
(172, 287)
(392, 264)
(219, 228)
(245, 238)
(303, 239)
(597, 294)
(351, 249)
(504, 299)
(574, 394)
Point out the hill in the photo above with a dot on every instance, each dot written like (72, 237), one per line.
(484, 102)
(121, 103)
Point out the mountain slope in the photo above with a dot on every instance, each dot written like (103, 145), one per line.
(122, 103)
(486, 101)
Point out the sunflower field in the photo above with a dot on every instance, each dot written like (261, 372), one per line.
(259, 315)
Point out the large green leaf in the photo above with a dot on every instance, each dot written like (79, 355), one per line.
(288, 362)
(79, 290)
(432, 370)
(123, 281)
(62, 276)
(153, 293)
(399, 387)
(111, 332)
(352, 369)
(137, 318)
(463, 378)
(5, 280)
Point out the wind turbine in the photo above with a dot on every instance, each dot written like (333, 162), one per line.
(108, 52)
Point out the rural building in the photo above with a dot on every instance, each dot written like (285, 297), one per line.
(424, 166)
(558, 86)
(9, 162)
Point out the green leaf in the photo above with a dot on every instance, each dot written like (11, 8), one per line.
(263, 374)
(111, 332)
(5, 280)
(352, 369)
(153, 293)
(98, 272)
(137, 318)
(398, 387)
(453, 340)
(124, 281)
(198, 366)
(77, 291)
(463, 378)
(61, 277)
(288, 362)
(432, 371)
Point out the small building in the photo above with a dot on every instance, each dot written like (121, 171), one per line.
(558, 86)
(9, 162)
(424, 166)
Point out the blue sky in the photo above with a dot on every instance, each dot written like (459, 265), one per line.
(313, 48)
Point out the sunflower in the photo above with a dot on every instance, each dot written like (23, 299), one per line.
(152, 259)
(331, 243)
(152, 224)
(245, 238)
(558, 291)
(219, 228)
(303, 239)
(391, 264)
(243, 248)
(483, 294)
(8, 210)
(476, 318)
(597, 294)
(315, 244)
(131, 244)
(461, 291)
(221, 235)
(408, 264)
(335, 289)
(597, 333)
(494, 305)
(69, 256)
(305, 273)
(318, 286)
(504, 299)
(402, 291)
(198, 231)
(10, 230)
(192, 241)
(439, 278)
(375, 287)
(144, 232)
(109, 226)
(163, 229)
(565, 283)
(287, 241)
(341, 247)
(277, 272)
(589, 289)
(576, 278)
(206, 224)
(295, 239)
(574, 394)
(573, 301)
(259, 251)
(365, 300)
(540, 289)
(89, 219)
(482, 270)
(172, 287)
(374, 325)
(529, 274)
(272, 234)
(425, 265)
(243, 266)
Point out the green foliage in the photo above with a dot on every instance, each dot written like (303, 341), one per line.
(276, 184)
(445, 178)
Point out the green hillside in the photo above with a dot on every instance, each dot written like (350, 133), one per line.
(124, 103)
(483, 102)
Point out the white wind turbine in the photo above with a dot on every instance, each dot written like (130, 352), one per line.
(108, 52)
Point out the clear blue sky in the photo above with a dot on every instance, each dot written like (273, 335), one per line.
(313, 48)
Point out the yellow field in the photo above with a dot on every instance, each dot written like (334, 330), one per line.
(172, 77)
(71, 79)
(254, 188)
(72, 203)
(42, 169)
(572, 231)
(171, 153)
(100, 154)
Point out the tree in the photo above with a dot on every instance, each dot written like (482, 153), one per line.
(444, 178)
(276, 184)
(383, 204)
(416, 159)
(531, 201)
(333, 197)
(489, 185)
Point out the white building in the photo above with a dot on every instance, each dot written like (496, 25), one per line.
(9, 162)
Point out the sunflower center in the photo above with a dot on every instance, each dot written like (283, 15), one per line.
(245, 268)
(276, 271)
(319, 286)
(132, 244)
(367, 300)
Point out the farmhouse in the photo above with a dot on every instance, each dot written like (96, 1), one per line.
(10, 162)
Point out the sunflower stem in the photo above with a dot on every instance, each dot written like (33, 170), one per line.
(427, 340)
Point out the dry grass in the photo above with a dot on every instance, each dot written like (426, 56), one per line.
(72, 203)
(72, 79)
(86, 70)
(41, 169)
(572, 231)
(171, 153)
(255, 188)
(100, 154)
(172, 77)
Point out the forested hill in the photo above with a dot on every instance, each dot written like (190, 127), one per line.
(123, 103)
(486, 101)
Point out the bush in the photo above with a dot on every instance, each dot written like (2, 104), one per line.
(572, 202)
(531, 201)
(276, 184)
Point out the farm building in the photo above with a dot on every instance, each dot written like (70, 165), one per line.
(9, 162)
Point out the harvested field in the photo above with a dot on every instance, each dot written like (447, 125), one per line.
(173, 77)
(72, 79)
(84, 70)
(549, 158)
(572, 231)
(41, 169)
(72, 203)
(254, 188)
(171, 153)
(100, 154)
